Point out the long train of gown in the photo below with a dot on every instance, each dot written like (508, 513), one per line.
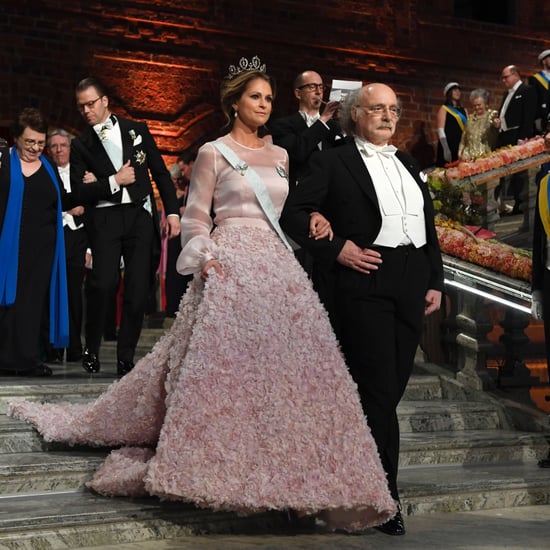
(245, 404)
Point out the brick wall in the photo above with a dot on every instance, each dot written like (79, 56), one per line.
(164, 58)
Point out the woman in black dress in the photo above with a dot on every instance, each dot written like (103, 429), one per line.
(32, 256)
(451, 120)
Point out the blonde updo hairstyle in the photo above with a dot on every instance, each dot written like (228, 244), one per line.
(232, 90)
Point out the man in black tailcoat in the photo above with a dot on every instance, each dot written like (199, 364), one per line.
(110, 165)
(388, 272)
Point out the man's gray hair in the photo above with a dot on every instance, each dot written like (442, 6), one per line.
(59, 132)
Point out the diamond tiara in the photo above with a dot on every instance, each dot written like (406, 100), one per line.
(244, 65)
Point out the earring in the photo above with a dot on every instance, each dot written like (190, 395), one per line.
(235, 114)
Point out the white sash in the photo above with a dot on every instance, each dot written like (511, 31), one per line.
(257, 185)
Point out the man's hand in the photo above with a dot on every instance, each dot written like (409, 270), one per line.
(360, 259)
(76, 211)
(172, 226)
(88, 177)
(126, 175)
(433, 301)
(331, 108)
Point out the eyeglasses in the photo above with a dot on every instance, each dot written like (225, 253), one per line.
(33, 142)
(311, 87)
(379, 110)
(90, 104)
(506, 76)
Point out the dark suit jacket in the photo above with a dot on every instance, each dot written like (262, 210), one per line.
(520, 115)
(340, 187)
(138, 146)
(543, 99)
(300, 141)
(88, 154)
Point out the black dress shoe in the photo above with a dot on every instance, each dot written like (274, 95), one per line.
(124, 367)
(40, 370)
(395, 526)
(90, 362)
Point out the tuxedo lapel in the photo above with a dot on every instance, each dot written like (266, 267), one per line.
(127, 141)
(353, 162)
(100, 159)
(298, 122)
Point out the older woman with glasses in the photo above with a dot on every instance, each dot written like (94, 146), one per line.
(481, 131)
(32, 254)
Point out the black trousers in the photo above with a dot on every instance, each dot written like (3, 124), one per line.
(176, 284)
(379, 323)
(125, 231)
(76, 242)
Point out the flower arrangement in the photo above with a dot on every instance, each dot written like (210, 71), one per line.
(459, 198)
(462, 201)
(501, 157)
(458, 241)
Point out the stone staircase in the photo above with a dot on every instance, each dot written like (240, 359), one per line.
(460, 451)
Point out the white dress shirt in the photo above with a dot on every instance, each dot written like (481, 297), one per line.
(65, 174)
(400, 199)
(109, 135)
(502, 114)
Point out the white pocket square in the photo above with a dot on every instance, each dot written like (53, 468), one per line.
(138, 140)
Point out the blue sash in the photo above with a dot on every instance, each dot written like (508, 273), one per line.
(460, 117)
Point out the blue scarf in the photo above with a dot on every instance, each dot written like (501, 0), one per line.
(9, 254)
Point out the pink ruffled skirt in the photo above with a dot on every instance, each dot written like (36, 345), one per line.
(245, 404)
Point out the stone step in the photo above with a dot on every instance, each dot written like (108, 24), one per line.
(443, 416)
(471, 447)
(26, 473)
(456, 488)
(56, 467)
(423, 388)
(69, 520)
(75, 519)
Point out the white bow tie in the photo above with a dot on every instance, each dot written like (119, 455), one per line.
(310, 119)
(101, 129)
(386, 150)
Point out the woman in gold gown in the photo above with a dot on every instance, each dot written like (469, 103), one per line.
(480, 134)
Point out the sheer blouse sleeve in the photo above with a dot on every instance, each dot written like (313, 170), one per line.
(196, 223)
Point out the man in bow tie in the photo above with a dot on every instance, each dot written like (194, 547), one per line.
(76, 243)
(516, 122)
(110, 165)
(386, 263)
